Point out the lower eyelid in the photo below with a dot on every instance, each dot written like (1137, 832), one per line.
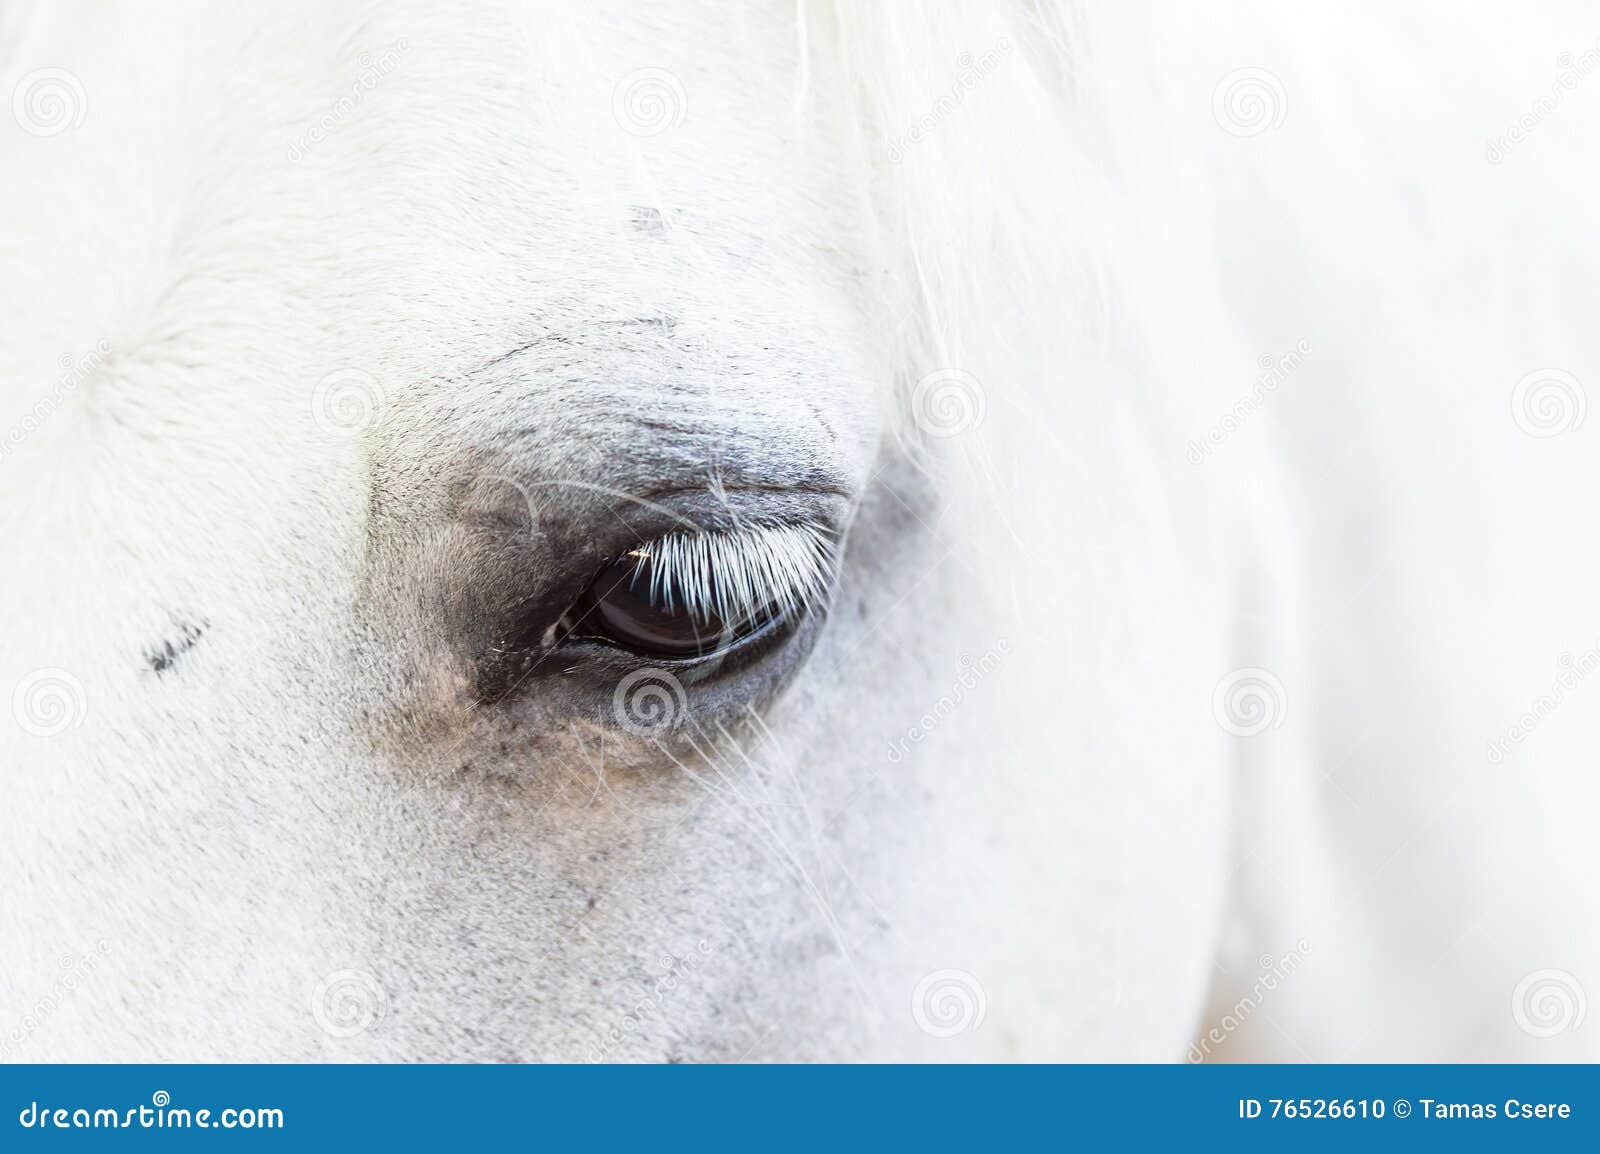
(774, 630)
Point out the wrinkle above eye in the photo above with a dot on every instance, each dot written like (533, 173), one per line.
(674, 398)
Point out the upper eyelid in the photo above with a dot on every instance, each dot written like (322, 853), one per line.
(695, 421)
(698, 507)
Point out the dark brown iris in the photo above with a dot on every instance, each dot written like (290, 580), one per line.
(626, 605)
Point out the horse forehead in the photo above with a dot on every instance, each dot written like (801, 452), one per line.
(431, 184)
(411, 201)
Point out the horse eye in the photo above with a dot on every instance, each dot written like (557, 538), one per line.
(629, 605)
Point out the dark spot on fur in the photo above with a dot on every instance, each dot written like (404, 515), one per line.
(649, 220)
(816, 411)
(161, 658)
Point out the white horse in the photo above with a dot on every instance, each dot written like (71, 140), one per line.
(581, 532)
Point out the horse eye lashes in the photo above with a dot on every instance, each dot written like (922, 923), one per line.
(735, 575)
(692, 594)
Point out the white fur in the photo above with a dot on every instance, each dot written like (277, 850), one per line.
(279, 823)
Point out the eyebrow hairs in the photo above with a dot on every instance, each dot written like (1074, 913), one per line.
(736, 575)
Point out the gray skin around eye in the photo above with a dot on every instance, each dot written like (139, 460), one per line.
(497, 495)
